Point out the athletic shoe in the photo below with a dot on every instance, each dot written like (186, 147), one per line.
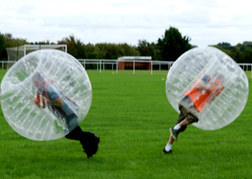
(92, 147)
(174, 133)
(167, 152)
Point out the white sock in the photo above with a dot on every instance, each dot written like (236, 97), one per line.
(168, 147)
(177, 127)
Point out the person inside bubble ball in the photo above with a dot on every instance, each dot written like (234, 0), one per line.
(192, 103)
(63, 108)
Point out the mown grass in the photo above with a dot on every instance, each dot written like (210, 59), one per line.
(131, 114)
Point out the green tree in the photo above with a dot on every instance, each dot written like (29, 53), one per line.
(247, 43)
(92, 51)
(13, 42)
(149, 49)
(172, 44)
(2, 47)
(240, 53)
(127, 50)
(74, 46)
(144, 48)
(224, 45)
(113, 52)
(247, 53)
(102, 49)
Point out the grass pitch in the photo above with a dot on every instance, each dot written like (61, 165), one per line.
(132, 116)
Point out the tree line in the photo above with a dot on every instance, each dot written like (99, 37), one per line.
(167, 48)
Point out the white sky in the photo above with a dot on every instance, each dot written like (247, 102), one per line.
(206, 22)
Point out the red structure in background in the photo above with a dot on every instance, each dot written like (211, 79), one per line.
(136, 62)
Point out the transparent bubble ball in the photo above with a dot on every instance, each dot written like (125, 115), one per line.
(17, 90)
(190, 67)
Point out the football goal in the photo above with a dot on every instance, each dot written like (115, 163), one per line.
(15, 53)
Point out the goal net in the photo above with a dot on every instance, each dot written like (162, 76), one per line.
(15, 53)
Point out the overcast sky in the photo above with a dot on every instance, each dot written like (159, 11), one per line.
(206, 22)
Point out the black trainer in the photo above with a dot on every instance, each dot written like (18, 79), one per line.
(91, 148)
(167, 152)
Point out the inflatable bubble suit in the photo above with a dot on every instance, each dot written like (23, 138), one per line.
(190, 67)
(28, 112)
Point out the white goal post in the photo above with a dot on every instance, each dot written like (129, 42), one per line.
(15, 53)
